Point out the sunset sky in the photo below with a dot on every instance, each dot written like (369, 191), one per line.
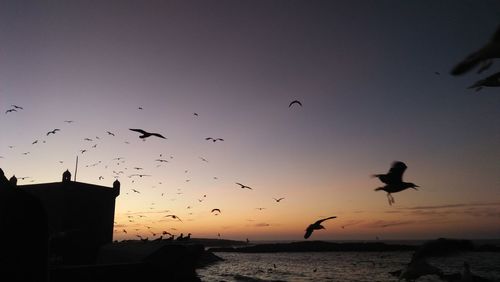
(373, 78)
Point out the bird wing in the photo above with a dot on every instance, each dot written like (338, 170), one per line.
(139, 130)
(309, 231)
(321, 220)
(215, 210)
(208, 138)
(395, 174)
(240, 184)
(158, 135)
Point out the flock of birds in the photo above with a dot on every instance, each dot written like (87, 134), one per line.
(392, 180)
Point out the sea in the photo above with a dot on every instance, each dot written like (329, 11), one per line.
(339, 266)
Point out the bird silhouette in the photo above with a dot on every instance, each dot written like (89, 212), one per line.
(394, 180)
(136, 191)
(316, 226)
(490, 81)
(203, 159)
(161, 160)
(244, 186)
(110, 133)
(17, 107)
(214, 139)
(69, 121)
(489, 51)
(278, 200)
(146, 134)
(34, 142)
(295, 102)
(10, 110)
(53, 131)
(215, 210)
(173, 216)
(195, 114)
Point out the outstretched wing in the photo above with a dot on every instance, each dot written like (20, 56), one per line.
(395, 174)
(158, 135)
(295, 102)
(309, 231)
(138, 130)
(321, 220)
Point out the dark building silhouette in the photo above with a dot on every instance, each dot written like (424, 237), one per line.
(80, 217)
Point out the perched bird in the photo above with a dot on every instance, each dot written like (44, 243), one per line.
(53, 131)
(214, 139)
(295, 102)
(394, 181)
(489, 51)
(146, 134)
(244, 186)
(316, 226)
(215, 210)
(10, 110)
(278, 200)
(490, 81)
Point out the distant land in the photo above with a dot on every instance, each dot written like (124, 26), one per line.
(323, 246)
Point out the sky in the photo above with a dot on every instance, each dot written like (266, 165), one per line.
(373, 77)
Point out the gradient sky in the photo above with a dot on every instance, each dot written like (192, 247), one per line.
(365, 72)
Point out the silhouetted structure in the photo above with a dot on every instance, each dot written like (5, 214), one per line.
(24, 236)
(80, 217)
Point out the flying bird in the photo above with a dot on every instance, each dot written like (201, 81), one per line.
(146, 134)
(394, 180)
(214, 139)
(173, 216)
(11, 110)
(203, 159)
(110, 133)
(278, 200)
(17, 107)
(215, 210)
(244, 186)
(161, 161)
(316, 226)
(136, 191)
(69, 121)
(295, 102)
(53, 131)
(195, 114)
(489, 51)
(34, 142)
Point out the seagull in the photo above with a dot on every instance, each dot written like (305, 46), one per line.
(214, 139)
(244, 186)
(147, 134)
(316, 226)
(216, 210)
(489, 51)
(110, 133)
(295, 102)
(17, 107)
(278, 200)
(53, 131)
(173, 216)
(394, 180)
(490, 81)
(11, 110)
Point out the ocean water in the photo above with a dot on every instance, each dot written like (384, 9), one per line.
(338, 266)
